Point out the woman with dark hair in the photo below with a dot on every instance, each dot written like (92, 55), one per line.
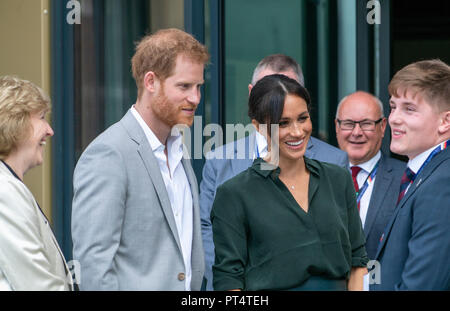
(287, 222)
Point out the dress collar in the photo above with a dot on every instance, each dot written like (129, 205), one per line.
(265, 169)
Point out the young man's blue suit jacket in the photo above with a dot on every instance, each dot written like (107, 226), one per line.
(414, 253)
(229, 160)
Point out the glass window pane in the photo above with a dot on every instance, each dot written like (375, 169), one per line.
(269, 28)
(166, 14)
(105, 45)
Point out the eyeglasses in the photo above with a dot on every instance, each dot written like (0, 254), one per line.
(365, 125)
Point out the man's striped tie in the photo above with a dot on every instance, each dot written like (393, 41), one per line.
(407, 178)
(355, 171)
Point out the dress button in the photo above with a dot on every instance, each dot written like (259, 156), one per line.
(181, 276)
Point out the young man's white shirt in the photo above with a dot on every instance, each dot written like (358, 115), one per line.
(416, 163)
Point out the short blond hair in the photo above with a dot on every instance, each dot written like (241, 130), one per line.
(158, 53)
(18, 100)
(430, 78)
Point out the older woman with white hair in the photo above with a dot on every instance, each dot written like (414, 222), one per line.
(30, 258)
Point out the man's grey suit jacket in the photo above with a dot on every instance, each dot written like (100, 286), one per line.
(123, 229)
(382, 201)
(229, 160)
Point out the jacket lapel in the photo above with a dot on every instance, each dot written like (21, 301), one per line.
(398, 208)
(151, 164)
(382, 183)
(427, 171)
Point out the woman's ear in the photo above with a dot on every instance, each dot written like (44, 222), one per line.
(250, 86)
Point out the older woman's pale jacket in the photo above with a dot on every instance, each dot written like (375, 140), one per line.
(30, 258)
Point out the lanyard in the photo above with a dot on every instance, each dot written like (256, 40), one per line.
(438, 149)
(367, 183)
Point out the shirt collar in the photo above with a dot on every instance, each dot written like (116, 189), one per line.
(257, 166)
(369, 165)
(261, 144)
(151, 137)
(175, 145)
(416, 163)
(174, 141)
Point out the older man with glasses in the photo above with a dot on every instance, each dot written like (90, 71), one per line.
(360, 127)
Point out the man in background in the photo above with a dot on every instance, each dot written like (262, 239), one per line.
(360, 126)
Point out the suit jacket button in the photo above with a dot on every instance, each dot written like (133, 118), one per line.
(181, 276)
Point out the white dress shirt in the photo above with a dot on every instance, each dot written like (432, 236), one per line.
(260, 146)
(177, 186)
(366, 169)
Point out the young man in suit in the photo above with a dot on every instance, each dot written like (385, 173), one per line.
(360, 127)
(227, 161)
(415, 247)
(135, 217)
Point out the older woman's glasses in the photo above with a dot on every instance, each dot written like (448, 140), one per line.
(365, 125)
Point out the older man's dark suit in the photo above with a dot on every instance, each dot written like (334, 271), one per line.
(415, 250)
(382, 202)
